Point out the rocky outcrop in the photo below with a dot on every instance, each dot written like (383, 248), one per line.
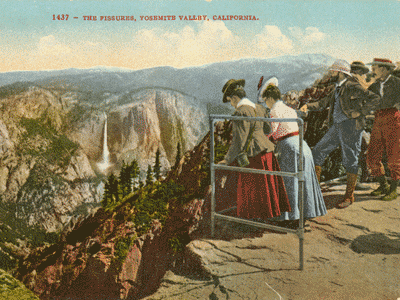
(101, 257)
(348, 254)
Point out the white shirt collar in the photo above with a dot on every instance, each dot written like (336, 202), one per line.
(382, 83)
(246, 101)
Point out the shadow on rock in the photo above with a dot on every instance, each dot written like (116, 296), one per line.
(377, 243)
(227, 230)
(332, 200)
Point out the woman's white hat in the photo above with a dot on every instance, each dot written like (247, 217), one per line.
(262, 86)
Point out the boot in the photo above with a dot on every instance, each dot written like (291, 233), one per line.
(318, 171)
(392, 192)
(349, 196)
(383, 188)
(361, 186)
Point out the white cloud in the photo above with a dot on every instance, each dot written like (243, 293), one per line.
(50, 53)
(48, 45)
(201, 43)
(272, 41)
(307, 37)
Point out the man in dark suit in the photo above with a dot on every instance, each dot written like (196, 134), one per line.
(348, 104)
(385, 135)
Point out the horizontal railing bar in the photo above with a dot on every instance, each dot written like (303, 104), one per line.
(214, 117)
(256, 171)
(333, 180)
(227, 210)
(252, 223)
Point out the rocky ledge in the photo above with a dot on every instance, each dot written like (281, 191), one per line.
(352, 253)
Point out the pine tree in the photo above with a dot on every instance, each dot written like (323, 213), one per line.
(178, 154)
(135, 171)
(141, 184)
(125, 177)
(110, 196)
(149, 177)
(157, 167)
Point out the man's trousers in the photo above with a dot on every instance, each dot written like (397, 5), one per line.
(385, 136)
(345, 135)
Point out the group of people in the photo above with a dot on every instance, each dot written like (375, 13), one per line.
(275, 146)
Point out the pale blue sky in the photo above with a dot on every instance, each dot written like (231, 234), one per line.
(31, 40)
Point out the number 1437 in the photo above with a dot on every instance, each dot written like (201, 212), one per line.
(60, 17)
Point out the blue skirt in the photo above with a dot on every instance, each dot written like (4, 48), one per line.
(288, 157)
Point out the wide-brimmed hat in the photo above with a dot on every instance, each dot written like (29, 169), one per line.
(263, 85)
(231, 85)
(341, 65)
(382, 62)
(358, 66)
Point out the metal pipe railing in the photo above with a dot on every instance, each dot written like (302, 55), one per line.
(299, 175)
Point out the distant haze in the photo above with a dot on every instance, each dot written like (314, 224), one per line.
(204, 83)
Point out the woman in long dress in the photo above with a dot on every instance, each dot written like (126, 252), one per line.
(285, 134)
(258, 196)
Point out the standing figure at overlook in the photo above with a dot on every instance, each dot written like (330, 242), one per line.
(287, 143)
(349, 103)
(385, 133)
(258, 196)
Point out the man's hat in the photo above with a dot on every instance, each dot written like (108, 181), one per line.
(358, 66)
(382, 62)
(341, 65)
(230, 86)
(262, 86)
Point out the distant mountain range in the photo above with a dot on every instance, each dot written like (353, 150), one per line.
(203, 82)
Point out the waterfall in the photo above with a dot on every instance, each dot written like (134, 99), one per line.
(106, 153)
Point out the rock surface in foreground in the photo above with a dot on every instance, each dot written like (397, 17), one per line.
(348, 254)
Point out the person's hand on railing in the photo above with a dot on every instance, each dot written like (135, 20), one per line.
(223, 181)
(219, 126)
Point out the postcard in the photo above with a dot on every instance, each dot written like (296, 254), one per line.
(105, 114)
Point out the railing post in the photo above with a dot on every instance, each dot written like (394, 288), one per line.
(212, 177)
(301, 194)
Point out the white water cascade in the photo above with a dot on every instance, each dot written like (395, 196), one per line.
(106, 153)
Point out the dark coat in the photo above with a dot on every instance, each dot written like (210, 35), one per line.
(353, 98)
(241, 129)
(391, 92)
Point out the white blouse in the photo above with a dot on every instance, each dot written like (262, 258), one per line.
(281, 129)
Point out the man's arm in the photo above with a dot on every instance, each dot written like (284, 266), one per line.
(370, 101)
(317, 105)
